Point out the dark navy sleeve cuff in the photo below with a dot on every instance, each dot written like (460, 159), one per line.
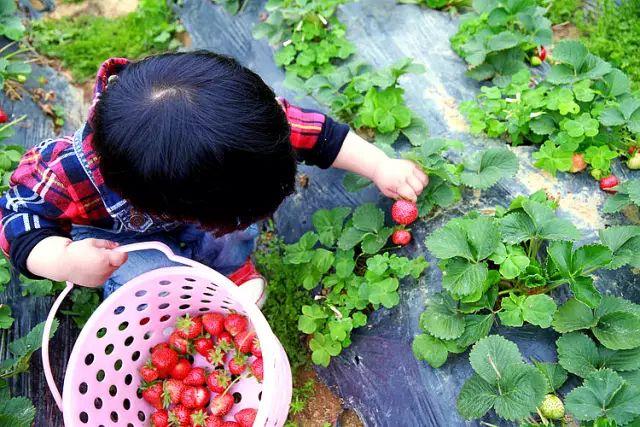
(22, 246)
(329, 143)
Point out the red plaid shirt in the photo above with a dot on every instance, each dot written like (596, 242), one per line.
(58, 182)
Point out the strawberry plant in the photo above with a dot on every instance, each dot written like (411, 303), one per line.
(452, 5)
(627, 194)
(583, 106)
(498, 36)
(345, 259)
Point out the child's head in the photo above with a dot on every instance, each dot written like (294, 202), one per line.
(195, 137)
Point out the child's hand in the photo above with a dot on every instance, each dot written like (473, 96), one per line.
(93, 261)
(400, 179)
(87, 262)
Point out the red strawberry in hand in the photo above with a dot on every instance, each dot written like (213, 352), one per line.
(213, 323)
(256, 350)
(401, 237)
(404, 212)
(218, 381)
(164, 359)
(188, 327)
(152, 393)
(608, 183)
(238, 364)
(197, 376)
(246, 417)
(203, 345)
(179, 344)
(180, 416)
(160, 419)
(257, 368)
(172, 390)
(244, 341)
(213, 421)
(195, 397)
(235, 323)
(221, 405)
(182, 368)
(148, 372)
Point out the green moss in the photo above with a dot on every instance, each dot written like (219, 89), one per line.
(82, 43)
(614, 34)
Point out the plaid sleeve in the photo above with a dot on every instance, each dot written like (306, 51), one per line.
(48, 191)
(316, 138)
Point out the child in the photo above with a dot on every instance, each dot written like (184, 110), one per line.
(189, 149)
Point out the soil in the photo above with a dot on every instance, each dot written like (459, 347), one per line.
(324, 406)
(565, 30)
(106, 8)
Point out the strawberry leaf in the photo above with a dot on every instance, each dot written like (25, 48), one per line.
(328, 224)
(554, 374)
(492, 353)
(368, 218)
(573, 315)
(442, 319)
(485, 169)
(624, 243)
(17, 412)
(323, 348)
(604, 394)
(430, 349)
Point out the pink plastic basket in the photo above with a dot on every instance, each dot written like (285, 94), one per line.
(100, 386)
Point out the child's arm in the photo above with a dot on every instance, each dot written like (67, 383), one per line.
(396, 178)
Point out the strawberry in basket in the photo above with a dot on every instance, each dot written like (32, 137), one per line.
(187, 395)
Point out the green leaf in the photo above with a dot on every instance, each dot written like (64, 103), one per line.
(340, 329)
(504, 40)
(17, 412)
(578, 354)
(430, 349)
(442, 319)
(382, 292)
(485, 169)
(492, 353)
(477, 326)
(464, 278)
(323, 348)
(514, 263)
(328, 224)
(554, 374)
(573, 315)
(5, 317)
(553, 158)
(373, 243)
(604, 394)
(350, 237)
(449, 241)
(585, 291)
(539, 309)
(511, 313)
(618, 330)
(624, 242)
(476, 398)
(368, 217)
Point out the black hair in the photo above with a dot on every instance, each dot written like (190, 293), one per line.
(195, 137)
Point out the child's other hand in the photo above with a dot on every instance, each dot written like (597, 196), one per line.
(92, 261)
(400, 179)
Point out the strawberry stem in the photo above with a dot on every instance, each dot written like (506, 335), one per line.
(233, 382)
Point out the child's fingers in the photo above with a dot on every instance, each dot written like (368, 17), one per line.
(416, 184)
(406, 192)
(421, 176)
(103, 244)
(116, 259)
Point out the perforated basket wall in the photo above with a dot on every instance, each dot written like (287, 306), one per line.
(100, 386)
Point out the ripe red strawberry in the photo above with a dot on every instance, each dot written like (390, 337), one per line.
(3, 116)
(188, 327)
(180, 416)
(256, 350)
(148, 372)
(199, 418)
(404, 212)
(542, 53)
(225, 341)
(238, 364)
(213, 323)
(197, 376)
(221, 405)
(160, 418)
(218, 381)
(235, 323)
(246, 417)
(172, 389)
(213, 421)
(159, 346)
(179, 344)
(152, 393)
(203, 345)
(164, 359)
(607, 183)
(182, 368)
(632, 149)
(195, 397)
(577, 163)
(244, 341)
(257, 368)
(401, 237)
(216, 356)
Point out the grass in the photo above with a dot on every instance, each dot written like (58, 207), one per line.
(286, 297)
(82, 43)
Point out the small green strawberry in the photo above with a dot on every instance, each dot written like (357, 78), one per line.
(552, 407)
